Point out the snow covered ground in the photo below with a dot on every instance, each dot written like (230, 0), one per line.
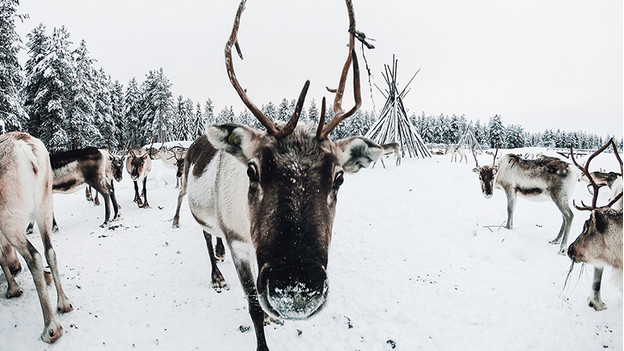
(411, 268)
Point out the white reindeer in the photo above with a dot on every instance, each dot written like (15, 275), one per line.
(25, 195)
(543, 179)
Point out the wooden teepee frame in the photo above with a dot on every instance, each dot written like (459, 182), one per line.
(393, 124)
(468, 139)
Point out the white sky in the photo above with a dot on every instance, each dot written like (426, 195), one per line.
(542, 64)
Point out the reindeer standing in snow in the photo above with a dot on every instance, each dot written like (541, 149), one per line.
(457, 150)
(600, 243)
(138, 165)
(272, 196)
(91, 166)
(26, 194)
(543, 179)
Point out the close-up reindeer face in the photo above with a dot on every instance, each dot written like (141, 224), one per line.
(293, 187)
(294, 174)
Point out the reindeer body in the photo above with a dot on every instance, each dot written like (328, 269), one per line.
(457, 150)
(25, 195)
(543, 179)
(138, 165)
(89, 166)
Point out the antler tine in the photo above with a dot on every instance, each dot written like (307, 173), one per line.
(266, 122)
(292, 123)
(319, 130)
(494, 160)
(475, 155)
(339, 114)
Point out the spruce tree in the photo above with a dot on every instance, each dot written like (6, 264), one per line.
(157, 111)
(80, 124)
(47, 92)
(11, 78)
(132, 110)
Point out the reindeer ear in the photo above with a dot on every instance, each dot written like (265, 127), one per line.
(476, 169)
(356, 152)
(494, 170)
(600, 221)
(235, 139)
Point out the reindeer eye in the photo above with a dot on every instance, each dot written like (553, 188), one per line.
(338, 180)
(252, 172)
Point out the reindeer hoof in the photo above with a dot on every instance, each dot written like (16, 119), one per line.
(563, 251)
(64, 306)
(597, 305)
(175, 225)
(52, 332)
(13, 294)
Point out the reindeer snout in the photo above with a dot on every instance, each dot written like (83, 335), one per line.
(573, 253)
(291, 291)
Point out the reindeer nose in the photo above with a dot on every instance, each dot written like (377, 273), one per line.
(292, 292)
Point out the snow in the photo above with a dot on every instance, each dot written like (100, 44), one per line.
(411, 267)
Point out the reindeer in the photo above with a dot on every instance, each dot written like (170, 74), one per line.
(91, 166)
(389, 149)
(272, 196)
(541, 179)
(138, 165)
(455, 150)
(601, 179)
(26, 194)
(600, 243)
(114, 170)
(174, 157)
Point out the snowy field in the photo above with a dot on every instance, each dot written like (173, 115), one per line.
(411, 267)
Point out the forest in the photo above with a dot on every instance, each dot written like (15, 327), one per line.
(64, 99)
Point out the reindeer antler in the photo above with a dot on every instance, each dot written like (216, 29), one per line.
(474, 155)
(596, 187)
(494, 159)
(339, 114)
(266, 122)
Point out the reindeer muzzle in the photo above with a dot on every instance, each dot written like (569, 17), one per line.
(292, 292)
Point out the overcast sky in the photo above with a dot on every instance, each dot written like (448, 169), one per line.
(542, 64)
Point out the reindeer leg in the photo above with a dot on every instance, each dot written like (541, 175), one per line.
(176, 217)
(137, 198)
(145, 204)
(595, 301)
(63, 304)
(88, 194)
(52, 329)
(6, 262)
(218, 282)
(219, 249)
(511, 204)
(96, 201)
(245, 274)
(55, 227)
(111, 191)
(568, 216)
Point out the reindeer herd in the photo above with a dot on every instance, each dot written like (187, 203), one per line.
(271, 195)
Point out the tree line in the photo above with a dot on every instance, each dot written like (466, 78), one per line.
(62, 98)
(444, 129)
